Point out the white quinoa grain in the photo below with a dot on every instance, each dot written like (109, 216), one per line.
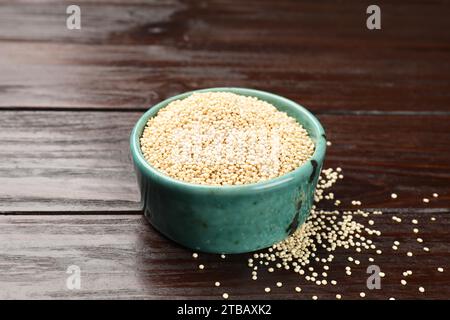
(426, 200)
(279, 284)
(440, 269)
(267, 289)
(403, 282)
(396, 219)
(323, 232)
(298, 289)
(393, 195)
(435, 195)
(314, 297)
(362, 294)
(222, 138)
(338, 296)
(409, 254)
(217, 284)
(414, 221)
(225, 295)
(422, 289)
(201, 266)
(195, 255)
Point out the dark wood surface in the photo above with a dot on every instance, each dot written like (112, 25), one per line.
(68, 101)
(129, 55)
(121, 256)
(79, 161)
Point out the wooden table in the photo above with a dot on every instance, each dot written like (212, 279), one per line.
(69, 98)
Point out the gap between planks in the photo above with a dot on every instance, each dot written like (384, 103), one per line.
(317, 112)
(386, 211)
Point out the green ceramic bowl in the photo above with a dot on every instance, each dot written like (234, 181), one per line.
(230, 219)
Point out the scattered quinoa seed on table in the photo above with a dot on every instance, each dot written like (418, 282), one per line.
(323, 232)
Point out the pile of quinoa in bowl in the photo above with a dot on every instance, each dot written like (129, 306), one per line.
(223, 138)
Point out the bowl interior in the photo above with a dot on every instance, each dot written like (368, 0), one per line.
(303, 116)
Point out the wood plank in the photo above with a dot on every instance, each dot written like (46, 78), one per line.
(70, 161)
(130, 55)
(66, 161)
(123, 257)
(380, 155)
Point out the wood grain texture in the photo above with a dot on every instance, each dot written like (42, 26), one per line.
(66, 161)
(129, 55)
(72, 161)
(123, 257)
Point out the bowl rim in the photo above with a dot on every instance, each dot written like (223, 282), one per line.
(292, 176)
